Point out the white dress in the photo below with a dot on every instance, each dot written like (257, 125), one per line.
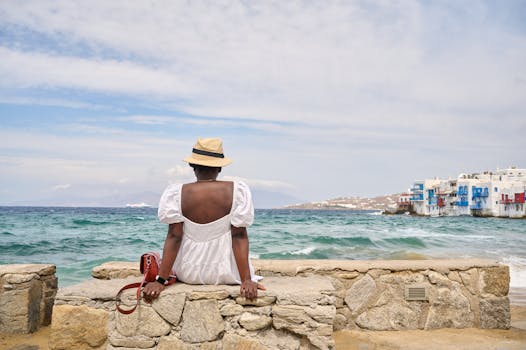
(206, 255)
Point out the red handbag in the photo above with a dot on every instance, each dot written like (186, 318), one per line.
(149, 266)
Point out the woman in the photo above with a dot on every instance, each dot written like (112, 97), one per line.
(207, 241)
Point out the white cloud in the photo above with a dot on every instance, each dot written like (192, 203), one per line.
(263, 184)
(342, 62)
(179, 173)
(61, 187)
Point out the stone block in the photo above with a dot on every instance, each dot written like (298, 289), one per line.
(495, 281)
(143, 321)
(78, 327)
(392, 316)
(138, 341)
(449, 308)
(231, 310)
(252, 322)
(495, 313)
(20, 278)
(20, 308)
(276, 339)
(359, 294)
(216, 294)
(470, 279)
(201, 321)
(170, 307)
(235, 342)
(259, 301)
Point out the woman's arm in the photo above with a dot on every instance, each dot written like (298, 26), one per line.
(171, 248)
(249, 289)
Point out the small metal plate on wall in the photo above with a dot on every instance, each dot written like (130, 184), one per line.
(415, 292)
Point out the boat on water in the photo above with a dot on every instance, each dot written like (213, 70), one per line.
(138, 205)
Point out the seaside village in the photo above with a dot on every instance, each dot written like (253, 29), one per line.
(499, 193)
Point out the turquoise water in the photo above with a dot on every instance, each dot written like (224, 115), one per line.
(77, 239)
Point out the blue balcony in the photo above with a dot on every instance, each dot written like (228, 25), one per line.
(417, 197)
(479, 192)
(476, 206)
(432, 201)
(417, 188)
(462, 203)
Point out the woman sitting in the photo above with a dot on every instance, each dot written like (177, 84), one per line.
(207, 241)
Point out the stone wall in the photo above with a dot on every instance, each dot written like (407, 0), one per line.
(27, 293)
(305, 301)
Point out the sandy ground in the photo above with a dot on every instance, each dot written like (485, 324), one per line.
(441, 339)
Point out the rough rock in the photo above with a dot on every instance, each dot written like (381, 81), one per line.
(449, 308)
(235, 342)
(19, 278)
(296, 319)
(20, 308)
(454, 276)
(495, 281)
(253, 322)
(143, 321)
(24, 347)
(217, 294)
(138, 341)
(388, 317)
(470, 278)
(495, 313)
(347, 275)
(231, 310)
(201, 321)
(77, 327)
(339, 322)
(275, 339)
(439, 279)
(172, 343)
(39, 269)
(116, 270)
(170, 306)
(259, 301)
(359, 294)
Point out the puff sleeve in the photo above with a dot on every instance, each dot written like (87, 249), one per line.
(169, 211)
(243, 211)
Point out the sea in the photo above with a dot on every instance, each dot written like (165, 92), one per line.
(77, 239)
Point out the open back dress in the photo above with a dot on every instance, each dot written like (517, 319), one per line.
(205, 255)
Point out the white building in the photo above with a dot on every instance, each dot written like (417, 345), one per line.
(500, 193)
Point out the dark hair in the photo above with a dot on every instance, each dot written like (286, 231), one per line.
(205, 168)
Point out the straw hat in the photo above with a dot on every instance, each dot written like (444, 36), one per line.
(208, 152)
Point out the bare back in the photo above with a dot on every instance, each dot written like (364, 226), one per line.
(204, 202)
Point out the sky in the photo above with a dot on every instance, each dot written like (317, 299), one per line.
(101, 100)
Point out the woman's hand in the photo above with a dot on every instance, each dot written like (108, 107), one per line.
(249, 289)
(151, 291)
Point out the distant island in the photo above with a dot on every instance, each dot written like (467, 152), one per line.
(351, 203)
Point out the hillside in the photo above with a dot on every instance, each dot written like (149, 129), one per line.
(351, 203)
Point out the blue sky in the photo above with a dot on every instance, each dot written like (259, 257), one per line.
(100, 101)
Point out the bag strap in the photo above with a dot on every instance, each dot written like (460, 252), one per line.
(137, 285)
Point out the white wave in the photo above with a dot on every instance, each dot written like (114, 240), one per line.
(304, 251)
(375, 213)
(517, 270)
